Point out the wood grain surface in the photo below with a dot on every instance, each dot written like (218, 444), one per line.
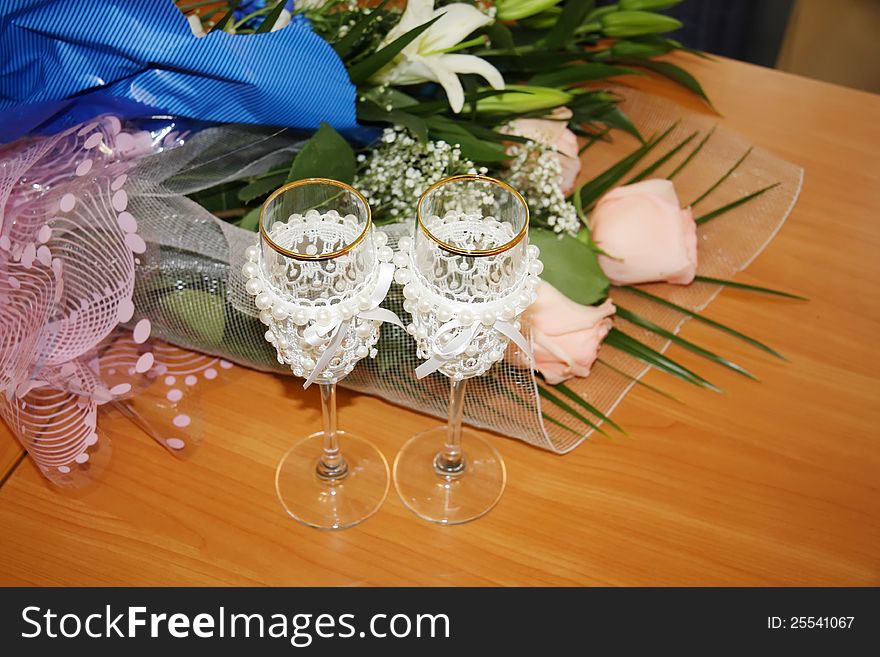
(772, 483)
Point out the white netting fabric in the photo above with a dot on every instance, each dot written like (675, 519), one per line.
(195, 291)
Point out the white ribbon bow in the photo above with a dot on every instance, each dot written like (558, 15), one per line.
(317, 333)
(459, 344)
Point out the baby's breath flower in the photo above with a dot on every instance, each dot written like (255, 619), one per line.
(399, 168)
(535, 171)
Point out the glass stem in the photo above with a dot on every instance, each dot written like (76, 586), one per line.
(331, 465)
(450, 462)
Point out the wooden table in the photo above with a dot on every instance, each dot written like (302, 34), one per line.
(773, 483)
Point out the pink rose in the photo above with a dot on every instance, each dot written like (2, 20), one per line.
(566, 335)
(646, 233)
(554, 133)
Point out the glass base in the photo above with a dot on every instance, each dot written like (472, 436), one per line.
(449, 500)
(332, 504)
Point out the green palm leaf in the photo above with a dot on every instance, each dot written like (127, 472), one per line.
(639, 350)
(723, 178)
(692, 154)
(589, 192)
(571, 394)
(707, 321)
(638, 381)
(272, 17)
(733, 204)
(552, 420)
(549, 396)
(661, 160)
(638, 320)
(750, 288)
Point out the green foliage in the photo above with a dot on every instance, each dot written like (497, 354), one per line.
(362, 70)
(570, 266)
(636, 23)
(271, 18)
(325, 155)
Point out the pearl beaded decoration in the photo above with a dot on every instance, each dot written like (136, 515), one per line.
(302, 329)
(480, 307)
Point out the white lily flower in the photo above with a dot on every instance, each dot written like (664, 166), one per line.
(424, 60)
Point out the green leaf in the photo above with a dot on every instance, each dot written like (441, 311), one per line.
(639, 382)
(543, 21)
(636, 23)
(549, 396)
(553, 420)
(361, 71)
(487, 134)
(590, 191)
(647, 5)
(502, 37)
(749, 288)
(733, 204)
(531, 62)
(592, 139)
(674, 73)
(350, 40)
(573, 14)
(201, 313)
(571, 394)
(219, 198)
(251, 220)
(433, 107)
(661, 160)
(579, 73)
(384, 96)
(471, 147)
(219, 25)
(706, 321)
(325, 155)
(692, 154)
(641, 47)
(512, 10)
(271, 18)
(570, 266)
(520, 99)
(722, 178)
(638, 320)
(629, 345)
(261, 187)
(415, 124)
(615, 118)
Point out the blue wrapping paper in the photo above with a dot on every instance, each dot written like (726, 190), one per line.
(63, 61)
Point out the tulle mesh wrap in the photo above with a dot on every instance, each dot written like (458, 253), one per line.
(192, 289)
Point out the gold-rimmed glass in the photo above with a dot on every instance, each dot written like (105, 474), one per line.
(468, 274)
(317, 254)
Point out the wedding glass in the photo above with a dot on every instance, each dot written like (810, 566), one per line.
(318, 276)
(468, 274)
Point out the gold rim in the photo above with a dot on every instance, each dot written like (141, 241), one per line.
(478, 252)
(321, 256)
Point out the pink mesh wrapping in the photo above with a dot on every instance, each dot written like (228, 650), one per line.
(68, 252)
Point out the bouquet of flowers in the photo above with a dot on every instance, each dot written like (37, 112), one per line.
(390, 97)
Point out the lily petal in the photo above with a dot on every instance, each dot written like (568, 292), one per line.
(417, 12)
(474, 64)
(439, 72)
(456, 22)
(409, 70)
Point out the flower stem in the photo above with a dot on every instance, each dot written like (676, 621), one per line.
(479, 41)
